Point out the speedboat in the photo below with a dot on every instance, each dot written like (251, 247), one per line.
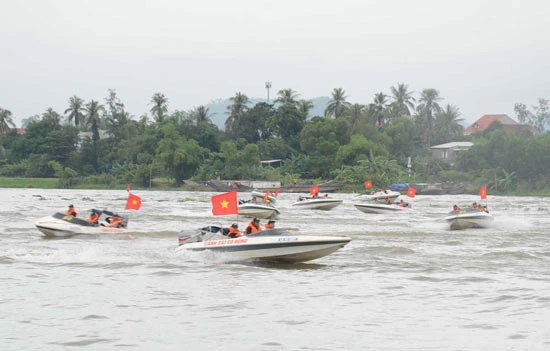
(257, 209)
(316, 203)
(274, 245)
(259, 196)
(62, 225)
(380, 195)
(376, 207)
(469, 218)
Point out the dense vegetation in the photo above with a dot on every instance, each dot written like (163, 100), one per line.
(352, 142)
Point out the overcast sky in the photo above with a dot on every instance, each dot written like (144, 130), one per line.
(482, 56)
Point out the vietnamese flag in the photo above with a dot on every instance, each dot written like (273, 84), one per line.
(314, 190)
(411, 192)
(134, 202)
(368, 184)
(224, 204)
(483, 192)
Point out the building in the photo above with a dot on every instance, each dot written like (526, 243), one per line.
(509, 125)
(448, 151)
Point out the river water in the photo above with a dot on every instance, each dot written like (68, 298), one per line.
(405, 282)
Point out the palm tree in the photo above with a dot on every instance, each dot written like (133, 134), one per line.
(201, 114)
(355, 113)
(5, 121)
(92, 117)
(160, 107)
(236, 110)
(304, 106)
(403, 99)
(287, 96)
(447, 124)
(378, 108)
(427, 107)
(337, 105)
(75, 110)
(52, 118)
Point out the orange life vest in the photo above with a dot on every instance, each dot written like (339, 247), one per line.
(253, 228)
(234, 232)
(71, 212)
(269, 226)
(115, 221)
(94, 217)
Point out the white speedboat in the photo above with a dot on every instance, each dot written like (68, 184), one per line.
(317, 203)
(260, 197)
(375, 207)
(274, 245)
(257, 209)
(469, 218)
(380, 195)
(62, 225)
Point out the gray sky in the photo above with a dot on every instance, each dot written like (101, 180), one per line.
(483, 56)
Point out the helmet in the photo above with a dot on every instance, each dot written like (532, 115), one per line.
(235, 225)
(256, 219)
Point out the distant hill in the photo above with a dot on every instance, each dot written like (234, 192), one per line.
(219, 112)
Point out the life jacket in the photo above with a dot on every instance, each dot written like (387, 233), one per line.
(115, 221)
(252, 228)
(269, 226)
(71, 212)
(234, 232)
(94, 217)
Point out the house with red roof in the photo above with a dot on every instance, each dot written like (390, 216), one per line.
(509, 125)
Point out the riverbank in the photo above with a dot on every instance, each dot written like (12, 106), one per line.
(162, 184)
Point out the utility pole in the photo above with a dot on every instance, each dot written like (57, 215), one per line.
(268, 86)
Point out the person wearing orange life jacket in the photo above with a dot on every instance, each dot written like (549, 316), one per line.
(234, 231)
(115, 221)
(94, 218)
(270, 224)
(71, 211)
(253, 226)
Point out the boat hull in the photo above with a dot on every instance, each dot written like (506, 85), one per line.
(381, 196)
(286, 249)
(368, 207)
(257, 210)
(466, 220)
(318, 204)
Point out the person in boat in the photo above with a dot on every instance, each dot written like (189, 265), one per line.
(71, 211)
(475, 206)
(94, 217)
(234, 231)
(301, 198)
(388, 201)
(325, 196)
(456, 208)
(253, 226)
(115, 221)
(270, 224)
(484, 209)
(403, 203)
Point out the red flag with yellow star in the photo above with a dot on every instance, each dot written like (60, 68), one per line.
(134, 202)
(225, 204)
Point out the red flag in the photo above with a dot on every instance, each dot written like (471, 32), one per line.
(483, 192)
(277, 193)
(134, 202)
(314, 190)
(411, 192)
(225, 204)
(128, 188)
(368, 184)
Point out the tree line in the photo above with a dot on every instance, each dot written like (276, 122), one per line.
(94, 142)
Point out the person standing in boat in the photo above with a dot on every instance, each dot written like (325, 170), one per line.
(71, 211)
(234, 231)
(253, 226)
